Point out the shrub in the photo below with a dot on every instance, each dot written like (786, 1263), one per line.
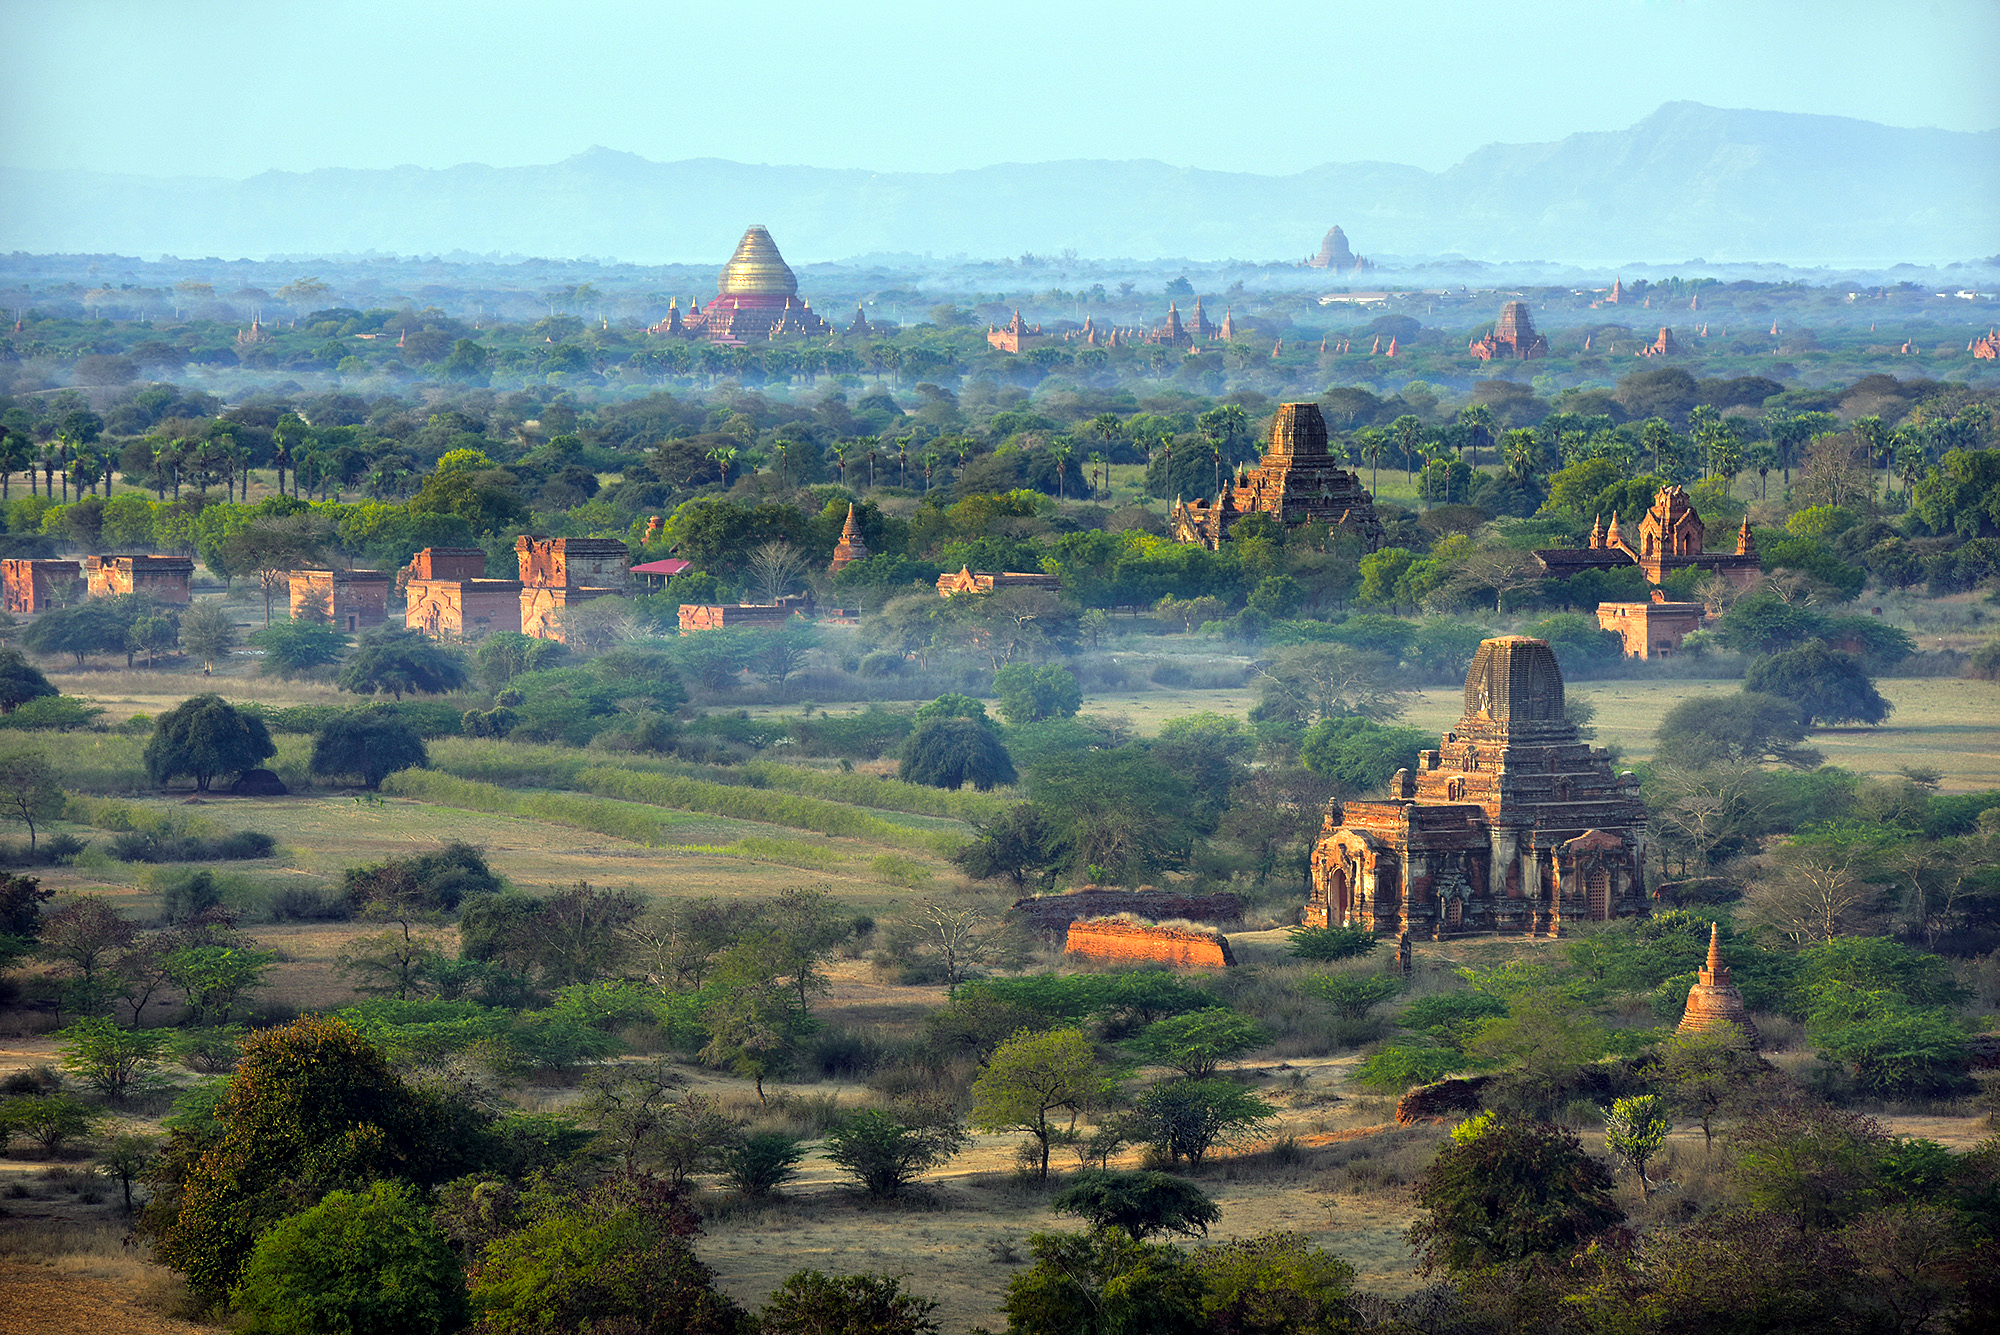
(205, 737)
(886, 1154)
(364, 1261)
(811, 1303)
(1142, 1203)
(50, 1121)
(1321, 944)
(762, 1163)
(166, 844)
(1502, 1191)
(1352, 994)
(1402, 1066)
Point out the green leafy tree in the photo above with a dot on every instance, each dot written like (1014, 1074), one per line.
(1325, 944)
(501, 658)
(369, 745)
(1634, 1129)
(1352, 994)
(1185, 1119)
(1141, 1203)
(1017, 847)
(1707, 1072)
(952, 752)
(1359, 752)
(762, 1162)
(1030, 693)
(1828, 686)
(887, 1154)
(812, 1303)
(1104, 1282)
(618, 1257)
(1503, 1191)
(356, 1261)
(215, 978)
(1893, 1049)
(204, 737)
(394, 659)
(298, 648)
(28, 791)
(1033, 1076)
(50, 1121)
(209, 633)
(126, 1159)
(20, 681)
(1275, 1284)
(1813, 1165)
(1198, 1042)
(650, 1125)
(109, 1059)
(1747, 728)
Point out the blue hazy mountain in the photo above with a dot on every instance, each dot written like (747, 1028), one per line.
(1688, 181)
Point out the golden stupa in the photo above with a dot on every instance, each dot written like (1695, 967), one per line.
(757, 299)
(757, 269)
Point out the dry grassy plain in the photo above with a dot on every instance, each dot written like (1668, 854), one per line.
(1342, 1178)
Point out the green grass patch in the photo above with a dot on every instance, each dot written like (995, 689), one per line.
(762, 804)
(868, 790)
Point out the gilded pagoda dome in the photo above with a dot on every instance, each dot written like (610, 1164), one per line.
(757, 269)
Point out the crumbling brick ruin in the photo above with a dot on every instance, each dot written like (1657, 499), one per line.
(167, 578)
(1054, 913)
(560, 573)
(30, 586)
(1132, 941)
(355, 600)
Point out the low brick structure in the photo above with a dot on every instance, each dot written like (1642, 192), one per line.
(542, 608)
(447, 563)
(170, 579)
(1441, 1099)
(1125, 941)
(30, 586)
(968, 580)
(1652, 629)
(354, 600)
(462, 609)
(739, 616)
(1714, 1000)
(589, 563)
(1051, 913)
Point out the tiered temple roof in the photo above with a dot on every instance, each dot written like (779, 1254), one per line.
(1514, 823)
(1297, 481)
(1513, 337)
(1671, 537)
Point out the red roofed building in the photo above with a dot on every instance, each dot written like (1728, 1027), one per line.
(655, 574)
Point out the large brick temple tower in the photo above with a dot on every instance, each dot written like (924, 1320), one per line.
(1514, 824)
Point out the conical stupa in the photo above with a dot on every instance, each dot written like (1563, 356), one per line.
(757, 269)
(851, 547)
(1714, 1000)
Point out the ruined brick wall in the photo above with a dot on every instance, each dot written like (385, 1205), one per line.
(717, 616)
(467, 609)
(32, 586)
(1052, 913)
(448, 563)
(1122, 941)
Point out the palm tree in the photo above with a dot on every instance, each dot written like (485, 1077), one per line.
(1478, 421)
(1060, 450)
(1100, 472)
(13, 458)
(903, 461)
(1408, 430)
(929, 460)
(840, 452)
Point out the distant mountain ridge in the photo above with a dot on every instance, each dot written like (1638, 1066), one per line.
(1688, 181)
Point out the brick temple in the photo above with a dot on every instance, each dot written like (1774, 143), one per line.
(851, 547)
(1513, 337)
(1714, 1000)
(1335, 255)
(167, 578)
(560, 573)
(1514, 824)
(1671, 537)
(757, 299)
(1652, 629)
(1014, 336)
(350, 600)
(31, 585)
(1297, 481)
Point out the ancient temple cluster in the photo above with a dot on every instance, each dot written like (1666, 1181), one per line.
(1297, 481)
(1514, 824)
(757, 299)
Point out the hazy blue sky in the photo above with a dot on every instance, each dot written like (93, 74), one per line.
(225, 87)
